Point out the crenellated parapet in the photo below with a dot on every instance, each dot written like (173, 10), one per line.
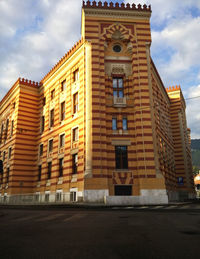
(117, 6)
(64, 58)
(173, 88)
(28, 82)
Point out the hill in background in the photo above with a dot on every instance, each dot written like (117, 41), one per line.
(195, 150)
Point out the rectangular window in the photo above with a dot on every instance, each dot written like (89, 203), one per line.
(62, 140)
(41, 150)
(58, 196)
(7, 175)
(76, 75)
(1, 134)
(12, 127)
(74, 163)
(50, 146)
(123, 190)
(9, 152)
(39, 172)
(118, 87)
(62, 111)
(75, 103)
(44, 101)
(121, 157)
(52, 94)
(42, 124)
(6, 130)
(61, 162)
(124, 123)
(51, 118)
(4, 155)
(47, 197)
(114, 123)
(63, 86)
(75, 134)
(49, 170)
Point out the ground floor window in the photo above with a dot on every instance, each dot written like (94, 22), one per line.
(72, 196)
(123, 190)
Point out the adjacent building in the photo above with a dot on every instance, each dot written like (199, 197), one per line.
(100, 126)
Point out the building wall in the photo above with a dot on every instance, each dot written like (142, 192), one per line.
(104, 29)
(156, 137)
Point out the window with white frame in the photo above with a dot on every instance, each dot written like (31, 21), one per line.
(75, 134)
(62, 140)
(50, 146)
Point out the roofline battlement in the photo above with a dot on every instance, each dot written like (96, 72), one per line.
(116, 6)
(173, 88)
(63, 59)
(25, 81)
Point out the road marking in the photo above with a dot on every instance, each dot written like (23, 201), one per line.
(171, 207)
(185, 207)
(50, 217)
(26, 218)
(76, 216)
(143, 207)
(157, 207)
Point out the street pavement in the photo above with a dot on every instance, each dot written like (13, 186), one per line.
(118, 232)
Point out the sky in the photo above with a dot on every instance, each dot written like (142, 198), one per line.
(35, 34)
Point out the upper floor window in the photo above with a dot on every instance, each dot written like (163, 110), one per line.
(50, 148)
(121, 157)
(76, 75)
(51, 123)
(41, 150)
(63, 86)
(75, 103)
(49, 170)
(124, 123)
(42, 124)
(39, 172)
(9, 152)
(75, 134)
(118, 87)
(4, 155)
(6, 130)
(114, 123)
(74, 163)
(7, 175)
(52, 94)
(1, 133)
(62, 111)
(44, 101)
(62, 140)
(12, 127)
(61, 162)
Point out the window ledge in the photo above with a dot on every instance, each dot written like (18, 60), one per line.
(74, 116)
(122, 170)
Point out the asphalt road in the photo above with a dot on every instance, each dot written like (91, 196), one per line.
(99, 233)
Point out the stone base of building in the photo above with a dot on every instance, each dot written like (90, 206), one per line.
(147, 197)
(181, 195)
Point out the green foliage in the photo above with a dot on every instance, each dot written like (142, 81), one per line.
(195, 144)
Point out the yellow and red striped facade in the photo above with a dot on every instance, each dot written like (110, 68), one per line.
(156, 138)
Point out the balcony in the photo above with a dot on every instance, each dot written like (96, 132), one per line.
(119, 101)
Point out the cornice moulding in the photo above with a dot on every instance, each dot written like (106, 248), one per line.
(117, 13)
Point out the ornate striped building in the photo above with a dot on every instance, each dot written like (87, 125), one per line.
(100, 126)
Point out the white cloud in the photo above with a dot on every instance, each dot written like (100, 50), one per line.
(34, 35)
